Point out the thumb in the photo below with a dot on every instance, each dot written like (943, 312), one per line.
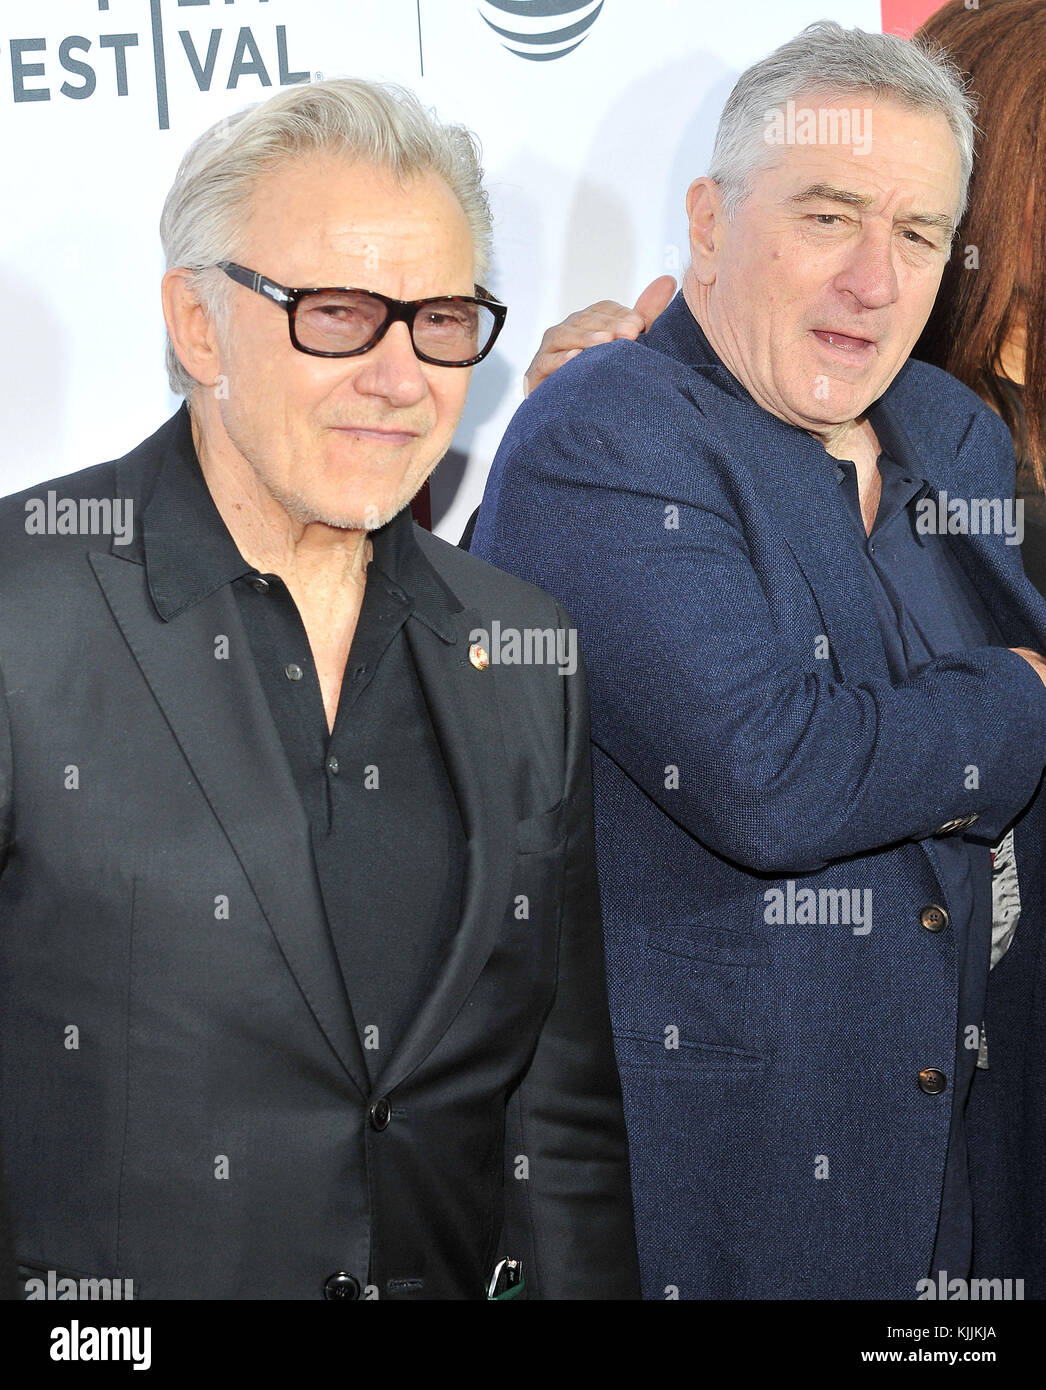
(654, 298)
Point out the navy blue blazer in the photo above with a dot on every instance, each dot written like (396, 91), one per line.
(747, 737)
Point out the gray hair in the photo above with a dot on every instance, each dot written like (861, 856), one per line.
(830, 61)
(379, 123)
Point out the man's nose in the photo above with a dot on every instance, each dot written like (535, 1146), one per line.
(869, 273)
(391, 370)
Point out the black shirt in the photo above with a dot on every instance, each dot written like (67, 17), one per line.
(388, 843)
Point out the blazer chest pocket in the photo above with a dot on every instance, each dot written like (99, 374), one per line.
(541, 832)
(710, 944)
(713, 997)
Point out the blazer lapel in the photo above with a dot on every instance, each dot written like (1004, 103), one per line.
(799, 487)
(798, 481)
(218, 713)
(1017, 607)
(463, 704)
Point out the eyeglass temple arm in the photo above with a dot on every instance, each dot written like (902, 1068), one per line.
(254, 280)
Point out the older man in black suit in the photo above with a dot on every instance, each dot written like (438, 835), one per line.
(302, 980)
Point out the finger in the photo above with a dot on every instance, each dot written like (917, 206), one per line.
(609, 307)
(543, 365)
(566, 339)
(655, 297)
(614, 319)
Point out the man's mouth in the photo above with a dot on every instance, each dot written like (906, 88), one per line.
(378, 434)
(845, 342)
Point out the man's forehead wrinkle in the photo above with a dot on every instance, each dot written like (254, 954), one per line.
(408, 230)
(349, 228)
(398, 237)
(309, 194)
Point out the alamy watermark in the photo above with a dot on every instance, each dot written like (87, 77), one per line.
(80, 516)
(941, 1287)
(975, 516)
(61, 1287)
(819, 907)
(81, 1343)
(527, 646)
(823, 125)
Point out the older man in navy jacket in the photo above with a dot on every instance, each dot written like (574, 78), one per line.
(818, 713)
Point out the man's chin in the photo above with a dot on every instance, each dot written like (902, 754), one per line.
(370, 517)
(834, 402)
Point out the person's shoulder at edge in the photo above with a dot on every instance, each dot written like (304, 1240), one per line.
(609, 380)
(617, 416)
(94, 481)
(31, 544)
(136, 471)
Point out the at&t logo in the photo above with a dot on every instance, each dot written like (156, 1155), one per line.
(541, 30)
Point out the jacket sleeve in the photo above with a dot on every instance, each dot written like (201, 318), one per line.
(698, 696)
(568, 1201)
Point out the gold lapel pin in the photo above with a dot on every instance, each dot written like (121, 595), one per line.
(479, 657)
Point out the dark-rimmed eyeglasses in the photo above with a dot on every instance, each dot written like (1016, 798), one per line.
(448, 330)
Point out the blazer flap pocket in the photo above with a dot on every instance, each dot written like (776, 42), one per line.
(699, 942)
(535, 833)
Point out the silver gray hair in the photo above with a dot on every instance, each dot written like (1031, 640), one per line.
(378, 123)
(829, 61)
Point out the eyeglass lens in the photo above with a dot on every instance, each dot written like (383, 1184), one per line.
(341, 321)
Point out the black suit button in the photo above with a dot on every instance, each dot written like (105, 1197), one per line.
(932, 1081)
(259, 585)
(380, 1113)
(934, 918)
(341, 1285)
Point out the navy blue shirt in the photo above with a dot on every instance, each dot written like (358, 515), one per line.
(926, 606)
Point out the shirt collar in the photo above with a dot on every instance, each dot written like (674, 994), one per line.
(901, 486)
(894, 473)
(189, 553)
(188, 550)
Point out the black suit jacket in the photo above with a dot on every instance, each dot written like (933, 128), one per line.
(185, 1102)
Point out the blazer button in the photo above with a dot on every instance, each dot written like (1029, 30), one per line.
(341, 1285)
(932, 1081)
(380, 1113)
(934, 918)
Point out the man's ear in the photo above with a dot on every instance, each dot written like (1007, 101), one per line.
(704, 210)
(191, 330)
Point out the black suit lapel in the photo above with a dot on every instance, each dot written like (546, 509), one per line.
(218, 713)
(463, 704)
(234, 749)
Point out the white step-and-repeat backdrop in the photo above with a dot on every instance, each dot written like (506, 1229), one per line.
(594, 116)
